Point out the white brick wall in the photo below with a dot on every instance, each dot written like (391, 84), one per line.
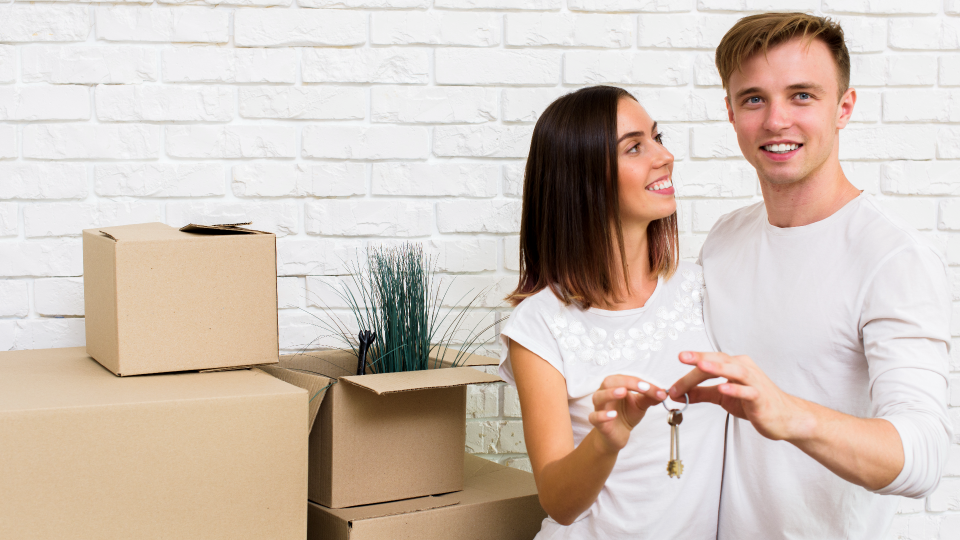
(340, 123)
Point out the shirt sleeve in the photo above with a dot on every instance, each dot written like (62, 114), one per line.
(529, 326)
(905, 325)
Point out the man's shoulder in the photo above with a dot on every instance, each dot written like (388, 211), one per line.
(874, 229)
(736, 219)
(737, 225)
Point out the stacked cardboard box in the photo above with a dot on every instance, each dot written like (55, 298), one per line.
(386, 455)
(88, 455)
(177, 453)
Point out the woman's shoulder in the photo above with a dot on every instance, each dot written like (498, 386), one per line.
(688, 277)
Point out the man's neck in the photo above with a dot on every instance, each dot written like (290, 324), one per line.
(807, 201)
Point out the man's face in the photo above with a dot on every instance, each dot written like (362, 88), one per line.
(783, 106)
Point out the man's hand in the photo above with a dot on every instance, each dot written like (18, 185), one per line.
(748, 394)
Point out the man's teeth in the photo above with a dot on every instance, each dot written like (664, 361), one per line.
(781, 148)
(657, 186)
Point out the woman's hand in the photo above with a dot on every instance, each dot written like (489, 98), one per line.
(619, 405)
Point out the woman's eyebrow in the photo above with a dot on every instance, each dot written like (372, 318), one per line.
(636, 133)
(628, 135)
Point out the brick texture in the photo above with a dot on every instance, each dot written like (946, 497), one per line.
(344, 124)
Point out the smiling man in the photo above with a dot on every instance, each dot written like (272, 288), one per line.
(832, 315)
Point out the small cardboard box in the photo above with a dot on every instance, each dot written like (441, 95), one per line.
(497, 502)
(159, 299)
(381, 437)
(87, 455)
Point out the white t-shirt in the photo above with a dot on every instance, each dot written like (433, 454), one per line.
(639, 499)
(851, 312)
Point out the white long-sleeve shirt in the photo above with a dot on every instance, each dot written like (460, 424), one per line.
(851, 312)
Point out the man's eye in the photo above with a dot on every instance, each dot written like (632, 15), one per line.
(803, 95)
(753, 100)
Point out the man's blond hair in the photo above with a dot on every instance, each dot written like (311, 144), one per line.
(759, 33)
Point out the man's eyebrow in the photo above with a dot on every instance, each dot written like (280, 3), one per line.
(745, 91)
(806, 86)
(796, 86)
(636, 133)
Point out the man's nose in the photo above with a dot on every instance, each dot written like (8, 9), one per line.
(778, 117)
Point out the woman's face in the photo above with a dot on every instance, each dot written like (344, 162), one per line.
(645, 167)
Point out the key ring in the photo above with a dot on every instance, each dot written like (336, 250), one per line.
(687, 404)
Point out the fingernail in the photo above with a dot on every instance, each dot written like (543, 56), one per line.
(685, 356)
(620, 391)
(672, 391)
(611, 414)
(661, 394)
(643, 386)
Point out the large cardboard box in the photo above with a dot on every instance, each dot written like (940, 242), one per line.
(381, 437)
(87, 455)
(159, 299)
(497, 502)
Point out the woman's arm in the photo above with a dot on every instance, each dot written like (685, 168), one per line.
(570, 479)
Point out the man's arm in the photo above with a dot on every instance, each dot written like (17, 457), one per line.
(902, 449)
(865, 451)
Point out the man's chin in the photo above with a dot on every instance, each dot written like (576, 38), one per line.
(780, 178)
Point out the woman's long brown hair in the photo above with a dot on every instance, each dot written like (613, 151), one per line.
(571, 205)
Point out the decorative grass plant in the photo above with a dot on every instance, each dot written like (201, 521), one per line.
(397, 306)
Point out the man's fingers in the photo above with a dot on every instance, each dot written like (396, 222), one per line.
(688, 381)
(728, 370)
(693, 358)
(704, 394)
(739, 391)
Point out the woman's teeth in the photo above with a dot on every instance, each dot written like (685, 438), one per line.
(781, 148)
(662, 184)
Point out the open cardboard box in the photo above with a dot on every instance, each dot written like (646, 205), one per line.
(496, 502)
(159, 299)
(87, 455)
(382, 437)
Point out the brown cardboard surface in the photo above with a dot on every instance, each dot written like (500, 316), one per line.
(496, 502)
(381, 437)
(389, 383)
(447, 356)
(87, 455)
(161, 300)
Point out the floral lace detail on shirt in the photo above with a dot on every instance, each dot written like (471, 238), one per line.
(594, 345)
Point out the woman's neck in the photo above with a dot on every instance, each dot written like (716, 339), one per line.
(642, 282)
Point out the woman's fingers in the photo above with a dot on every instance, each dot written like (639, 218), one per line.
(605, 396)
(634, 384)
(602, 417)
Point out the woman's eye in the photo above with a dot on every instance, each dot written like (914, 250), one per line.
(659, 138)
(634, 149)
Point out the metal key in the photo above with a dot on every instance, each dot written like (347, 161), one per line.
(674, 418)
(675, 466)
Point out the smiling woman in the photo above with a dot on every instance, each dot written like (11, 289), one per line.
(602, 311)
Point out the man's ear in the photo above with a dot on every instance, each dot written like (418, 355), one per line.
(726, 101)
(845, 107)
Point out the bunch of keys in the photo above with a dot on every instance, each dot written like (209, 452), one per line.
(674, 417)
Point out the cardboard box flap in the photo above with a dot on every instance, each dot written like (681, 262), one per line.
(448, 355)
(331, 363)
(315, 384)
(139, 233)
(226, 228)
(395, 508)
(388, 383)
(488, 480)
